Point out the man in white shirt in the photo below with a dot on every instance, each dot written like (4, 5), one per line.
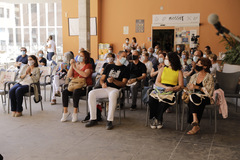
(51, 48)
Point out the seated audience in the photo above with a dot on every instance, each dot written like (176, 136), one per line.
(215, 66)
(179, 51)
(16, 93)
(156, 68)
(60, 77)
(114, 77)
(110, 60)
(137, 73)
(134, 43)
(22, 59)
(41, 60)
(127, 44)
(202, 86)
(80, 69)
(151, 57)
(91, 59)
(156, 50)
(169, 80)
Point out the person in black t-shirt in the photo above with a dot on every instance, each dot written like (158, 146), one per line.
(137, 73)
(41, 60)
(115, 76)
(22, 59)
(110, 60)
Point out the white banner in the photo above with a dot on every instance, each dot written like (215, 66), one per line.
(176, 19)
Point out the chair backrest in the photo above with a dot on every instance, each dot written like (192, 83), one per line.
(45, 71)
(99, 66)
(228, 82)
(6, 77)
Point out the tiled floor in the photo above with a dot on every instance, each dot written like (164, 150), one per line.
(43, 136)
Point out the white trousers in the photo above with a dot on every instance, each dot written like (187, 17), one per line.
(56, 85)
(110, 93)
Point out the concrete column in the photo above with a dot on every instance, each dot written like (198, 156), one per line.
(84, 23)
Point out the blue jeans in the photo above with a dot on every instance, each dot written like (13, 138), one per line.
(50, 55)
(16, 94)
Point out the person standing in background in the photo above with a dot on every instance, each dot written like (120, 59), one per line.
(134, 43)
(51, 48)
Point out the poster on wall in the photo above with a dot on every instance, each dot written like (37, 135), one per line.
(125, 30)
(73, 26)
(139, 25)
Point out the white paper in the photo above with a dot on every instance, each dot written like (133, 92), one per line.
(125, 29)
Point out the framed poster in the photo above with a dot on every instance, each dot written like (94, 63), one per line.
(93, 26)
(139, 25)
(73, 26)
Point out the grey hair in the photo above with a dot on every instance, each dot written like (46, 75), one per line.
(120, 52)
(69, 56)
(150, 48)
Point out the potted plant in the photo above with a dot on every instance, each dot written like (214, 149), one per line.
(231, 57)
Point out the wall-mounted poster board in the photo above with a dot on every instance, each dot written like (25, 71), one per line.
(73, 26)
(93, 26)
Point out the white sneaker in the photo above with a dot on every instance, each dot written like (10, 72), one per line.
(74, 117)
(64, 117)
(159, 125)
(153, 123)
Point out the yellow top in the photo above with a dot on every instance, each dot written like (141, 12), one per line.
(169, 76)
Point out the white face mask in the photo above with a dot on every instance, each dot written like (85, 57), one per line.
(195, 59)
(160, 60)
(150, 54)
(204, 56)
(110, 59)
(127, 41)
(155, 50)
(31, 62)
(80, 59)
(143, 58)
(109, 51)
(166, 62)
(122, 60)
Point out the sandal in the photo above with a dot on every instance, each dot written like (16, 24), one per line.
(192, 132)
(195, 123)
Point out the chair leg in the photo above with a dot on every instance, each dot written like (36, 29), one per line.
(215, 113)
(44, 92)
(182, 119)
(211, 117)
(25, 102)
(8, 104)
(147, 116)
(87, 106)
(236, 104)
(41, 105)
(30, 106)
(127, 96)
(120, 113)
(176, 115)
(51, 93)
(141, 99)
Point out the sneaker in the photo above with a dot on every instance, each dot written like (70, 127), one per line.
(74, 117)
(153, 123)
(18, 114)
(91, 123)
(159, 125)
(64, 117)
(58, 94)
(53, 102)
(109, 125)
(133, 108)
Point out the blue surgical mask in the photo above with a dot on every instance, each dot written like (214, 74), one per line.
(155, 50)
(80, 59)
(122, 60)
(178, 49)
(160, 60)
(195, 59)
(183, 56)
(40, 55)
(23, 52)
(139, 50)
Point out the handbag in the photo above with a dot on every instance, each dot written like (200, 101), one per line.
(76, 83)
(185, 96)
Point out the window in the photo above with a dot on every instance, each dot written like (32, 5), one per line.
(10, 32)
(8, 13)
(18, 37)
(17, 15)
(51, 14)
(42, 14)
(34, 14)
(2, 12)
(34, 35)
(59, 14)
(25, 15)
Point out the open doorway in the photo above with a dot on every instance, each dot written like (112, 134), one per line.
(164, 38)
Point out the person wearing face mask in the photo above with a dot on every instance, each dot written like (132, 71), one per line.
(110, 50)
(110, 60)
(60, 76)
(190, 69)
(148, 64)
(156, 68)
(91, 59)
(139, 49)
(134, 43)
(179, 52)
(137, 73)
(82, 69)
(126, 44)
(114, 77)
(27, 76)
(185, 60)
(169, 79)
(151, 57)
(156, 50)
(21, 59)
(215, 66)
(202, 86)
(41, 60)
